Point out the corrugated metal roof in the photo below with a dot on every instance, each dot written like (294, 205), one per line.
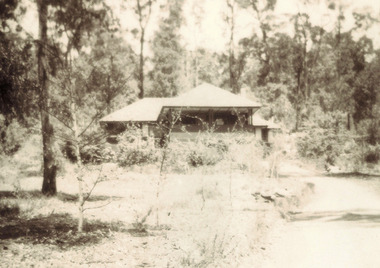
(207, 95)
(144, 110)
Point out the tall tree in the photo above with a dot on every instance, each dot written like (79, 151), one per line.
(167, 49)
(303, 62)
(50, 166)
(143, 9)
(106, 70)
(230, 20)
(18, 81)
(74, 19)
(197, 13)
(263, 14)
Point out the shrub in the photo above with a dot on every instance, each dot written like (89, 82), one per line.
(8, 209)
(133, 150)
(321, 143)
(372, 154)
(220, 145)
(339, 149)
(12, 136)
(136, 156)
(204, 156)
(92, 154)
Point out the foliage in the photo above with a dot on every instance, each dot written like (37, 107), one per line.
(203, 156)
(136, 156)
(11, 136)
(167, 53)
(18, 85)
(9, 209)
(132, 150)
(372, 154)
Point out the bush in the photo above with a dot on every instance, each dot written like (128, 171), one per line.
(208, 150)
(11, 136)
(92, 154)
(204, 156)
(319, 143)
(136, 156)
(372, 154)
(338, 149)
(133, 150)
(8, 209)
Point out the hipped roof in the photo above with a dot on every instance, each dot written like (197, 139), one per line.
(207, 95)
(144, 110)
(203, 96)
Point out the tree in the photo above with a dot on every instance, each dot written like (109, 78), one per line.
(303, 62)
(197, 13)
(143, 10)
(167, 53)
(18, 81)
(263, 14)
(50, 165)
(230, 20)
(105, 72)
(72, 20)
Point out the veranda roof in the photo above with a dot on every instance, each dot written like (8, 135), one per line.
(144, 110)
(258, 121)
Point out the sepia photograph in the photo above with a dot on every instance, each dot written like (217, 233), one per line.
(190, 133)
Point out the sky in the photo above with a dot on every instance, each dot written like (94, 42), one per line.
(212, 33)
(214, 29)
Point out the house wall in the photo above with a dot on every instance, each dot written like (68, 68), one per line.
(192, 132)
(181, 136)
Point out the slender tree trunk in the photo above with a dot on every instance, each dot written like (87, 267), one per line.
(79, 166)
(231, 62)
(49, 186)
(196, 70)
(231, 56)
(298, 117)
(141, 67)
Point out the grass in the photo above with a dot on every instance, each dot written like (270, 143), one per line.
(206, 219)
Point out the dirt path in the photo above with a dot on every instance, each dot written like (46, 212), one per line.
(339, 227)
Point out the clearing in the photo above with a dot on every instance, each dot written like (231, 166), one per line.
(339, 227)
(200, 219)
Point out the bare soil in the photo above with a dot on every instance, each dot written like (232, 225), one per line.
(338, 227)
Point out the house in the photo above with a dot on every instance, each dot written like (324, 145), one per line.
(203, 108)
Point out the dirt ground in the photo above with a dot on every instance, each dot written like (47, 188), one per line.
(202, 219)
(338, 227)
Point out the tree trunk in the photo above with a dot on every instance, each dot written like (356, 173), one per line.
(196, 70)
(49, 186)
(141, 67)
(298, 117)
(79, 166)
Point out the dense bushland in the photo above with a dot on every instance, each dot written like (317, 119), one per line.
(328, 142)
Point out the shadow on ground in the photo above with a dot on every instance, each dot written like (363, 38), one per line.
(61, 196)
(60, 230)
(93, 198)
(355, 175)
(330, 216)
